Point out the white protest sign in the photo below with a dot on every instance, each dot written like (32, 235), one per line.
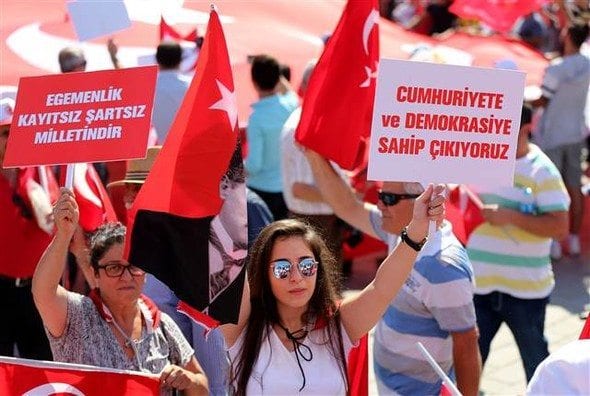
(443, 123)
(94, 19)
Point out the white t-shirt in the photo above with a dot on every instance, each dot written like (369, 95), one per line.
(279, 374)
(565, 372)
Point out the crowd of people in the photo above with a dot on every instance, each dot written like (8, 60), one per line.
(295, 331)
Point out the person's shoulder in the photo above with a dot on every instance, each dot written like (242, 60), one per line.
(292, 121)
(541, 164)
(79, 299)
(289, 100)
(169, 326)
(448, 265)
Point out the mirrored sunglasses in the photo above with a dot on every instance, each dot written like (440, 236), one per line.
(281, 269)
(116, 270)
(390, 199)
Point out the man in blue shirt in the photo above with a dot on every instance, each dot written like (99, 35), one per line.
(275, 104)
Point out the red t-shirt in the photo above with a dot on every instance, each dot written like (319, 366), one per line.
(23, 242)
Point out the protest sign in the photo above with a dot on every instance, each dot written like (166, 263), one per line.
(93, 19)
(81, 117)
(443, 123)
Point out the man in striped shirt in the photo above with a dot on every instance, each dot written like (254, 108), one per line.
(435, 305)
(510, 251)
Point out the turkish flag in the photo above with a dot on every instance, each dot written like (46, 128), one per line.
(444, 391)
(338, 104)
(93, 200)
(167, 32)
(40, 378)
(173, 220)
(500, 15)
(358, 368)
(463, 211)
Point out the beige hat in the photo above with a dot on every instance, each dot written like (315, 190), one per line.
(138, 169)
(6, 111)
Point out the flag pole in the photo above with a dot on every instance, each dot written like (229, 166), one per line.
(43, 178)
(446, 380)
(70, 176)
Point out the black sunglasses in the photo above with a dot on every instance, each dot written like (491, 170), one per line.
(390, 199)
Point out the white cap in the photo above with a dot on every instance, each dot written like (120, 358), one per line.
(6, 111)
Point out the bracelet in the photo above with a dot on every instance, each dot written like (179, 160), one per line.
(417, 246)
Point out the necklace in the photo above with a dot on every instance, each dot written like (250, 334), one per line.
(300, 349)
(129, 342)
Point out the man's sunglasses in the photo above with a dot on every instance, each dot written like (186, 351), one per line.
(390, 199)
(281, 269)
(116, 270)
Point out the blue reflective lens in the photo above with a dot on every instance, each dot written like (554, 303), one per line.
(282, 268)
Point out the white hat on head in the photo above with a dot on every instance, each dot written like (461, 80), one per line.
(6, 111)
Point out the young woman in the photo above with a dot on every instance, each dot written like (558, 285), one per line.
(294, 333)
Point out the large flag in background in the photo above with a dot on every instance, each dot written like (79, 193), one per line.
(93, 200)
(500, 15)
(338, 104)
(40, 378)
(174, 212)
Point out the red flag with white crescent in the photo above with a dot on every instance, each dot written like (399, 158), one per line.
(176, 233)
(338, 104)
(93, 200)
(40, 378)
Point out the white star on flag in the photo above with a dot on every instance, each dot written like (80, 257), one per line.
(370, 75)
(227, 103)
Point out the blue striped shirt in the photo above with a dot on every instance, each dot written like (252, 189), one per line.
(436, 300)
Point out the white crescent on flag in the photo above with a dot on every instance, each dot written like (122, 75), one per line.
(53, 388)
(370, 22)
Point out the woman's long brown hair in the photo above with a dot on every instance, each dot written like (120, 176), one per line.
(322, 305)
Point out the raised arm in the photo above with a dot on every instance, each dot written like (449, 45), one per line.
(550, 225)
(361, 312)
(230, 331)
(339, 195)
(113, 50)
(50, 298)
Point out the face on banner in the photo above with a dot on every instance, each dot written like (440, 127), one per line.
(233, 212)
(446, 124)
(228, 241)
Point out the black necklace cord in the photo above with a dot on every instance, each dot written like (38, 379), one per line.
(301, 350)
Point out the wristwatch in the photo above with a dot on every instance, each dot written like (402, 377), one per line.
(417, 246)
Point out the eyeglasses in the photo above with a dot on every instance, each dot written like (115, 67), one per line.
(281, 269)
(390, 199)
(116, 270)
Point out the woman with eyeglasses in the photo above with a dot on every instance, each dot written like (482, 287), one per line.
(116, 326)
(294, 332)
